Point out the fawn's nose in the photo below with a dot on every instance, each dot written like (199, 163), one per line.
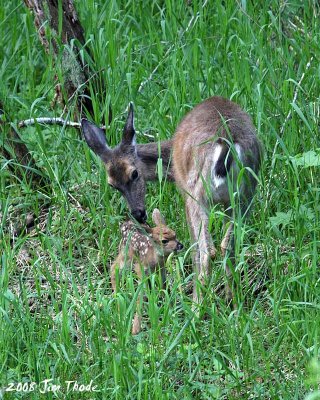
(140, 215)
(179, 246)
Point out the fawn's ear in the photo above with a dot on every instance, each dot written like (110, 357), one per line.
(96, 139)
(157, 218)
(129, 134)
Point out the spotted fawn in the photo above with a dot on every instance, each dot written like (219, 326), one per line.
(144, 249)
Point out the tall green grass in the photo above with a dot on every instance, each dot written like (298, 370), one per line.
(59, 319)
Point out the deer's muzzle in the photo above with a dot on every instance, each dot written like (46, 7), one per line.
(139, 215)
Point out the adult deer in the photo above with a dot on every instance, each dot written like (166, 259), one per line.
(212, 144)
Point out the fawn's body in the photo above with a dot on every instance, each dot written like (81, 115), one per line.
(144, 249)
(213, 142)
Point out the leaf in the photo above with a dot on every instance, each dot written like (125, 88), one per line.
(159, 169)
(307, 212)
(300, 113)
(285, 218)
(308, 159)
(313, 396)
(281, 218)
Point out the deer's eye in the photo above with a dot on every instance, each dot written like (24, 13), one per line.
(165, 241)
(134, 175)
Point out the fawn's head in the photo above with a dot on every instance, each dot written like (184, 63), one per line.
(122, 163)
(164, 236)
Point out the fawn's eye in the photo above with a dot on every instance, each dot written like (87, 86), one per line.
(165, 241)
(134, 175)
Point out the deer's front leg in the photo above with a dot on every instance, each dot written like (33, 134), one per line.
(198, 222)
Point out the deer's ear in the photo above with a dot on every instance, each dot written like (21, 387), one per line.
(157, 218)
(129, 134)
(95, 137)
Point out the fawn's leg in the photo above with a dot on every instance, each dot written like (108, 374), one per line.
(163, 276)
(117, 265)
(198, 222)
(137, 319)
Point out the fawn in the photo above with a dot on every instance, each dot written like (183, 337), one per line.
(144, 249)
(213, 143)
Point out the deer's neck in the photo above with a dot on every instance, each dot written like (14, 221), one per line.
(150, 153)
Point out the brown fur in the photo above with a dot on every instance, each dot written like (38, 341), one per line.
(211, 144)
(201, 127)
(143, 249)
(149, 154)
(194, 143)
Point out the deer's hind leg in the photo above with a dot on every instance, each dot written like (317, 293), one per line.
(199, 222)
(227, 245)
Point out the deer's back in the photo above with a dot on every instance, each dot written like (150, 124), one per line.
(197, 147)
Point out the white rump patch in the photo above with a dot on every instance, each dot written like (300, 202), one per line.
(220, 189)
(238, 150)
(216, 153)
(216, 180)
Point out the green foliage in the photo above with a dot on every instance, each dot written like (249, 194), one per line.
(58, 318)
(314, 369)
(308, 159)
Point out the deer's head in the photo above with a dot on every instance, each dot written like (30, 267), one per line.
(122, 163)
(163, 235)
